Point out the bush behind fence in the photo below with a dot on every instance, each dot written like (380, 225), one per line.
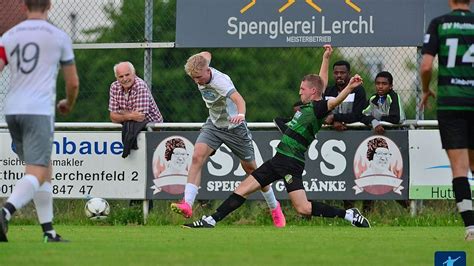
(268, 78)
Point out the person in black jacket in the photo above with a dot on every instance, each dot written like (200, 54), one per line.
(350, 111)
(384, 104)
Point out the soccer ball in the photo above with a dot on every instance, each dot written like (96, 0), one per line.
(97, 209)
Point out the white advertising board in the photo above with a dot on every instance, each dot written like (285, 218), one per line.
(430, 172)
(85, 164)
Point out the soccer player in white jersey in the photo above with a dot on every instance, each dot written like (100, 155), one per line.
(32, 50)
(225, 125)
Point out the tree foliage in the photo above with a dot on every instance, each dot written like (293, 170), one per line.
(267, 78)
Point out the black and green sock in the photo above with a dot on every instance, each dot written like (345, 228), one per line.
(233, 202)
(463, 196)
(324, 210)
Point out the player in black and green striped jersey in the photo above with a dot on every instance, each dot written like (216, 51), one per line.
(288, 162)
(451, 37)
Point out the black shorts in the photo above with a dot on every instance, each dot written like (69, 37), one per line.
(281, 167)
(456, 129)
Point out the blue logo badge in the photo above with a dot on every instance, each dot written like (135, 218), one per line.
(450, 258)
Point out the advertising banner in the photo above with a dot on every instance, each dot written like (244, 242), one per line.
(430, 172)
(300, 23)
(85, 164)
(339, 165)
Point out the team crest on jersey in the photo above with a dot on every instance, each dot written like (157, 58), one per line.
(209, 95)
(297, 114)
(288, 178)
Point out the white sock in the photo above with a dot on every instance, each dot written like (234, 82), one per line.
(349, 215)
(210, 220)
(44, 203)
(190, 193)
(52, 233)
(270, 198)
(8, 215)
(24, 191)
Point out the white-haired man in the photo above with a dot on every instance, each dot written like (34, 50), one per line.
(130, 99)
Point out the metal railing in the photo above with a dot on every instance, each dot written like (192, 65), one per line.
(252, 125)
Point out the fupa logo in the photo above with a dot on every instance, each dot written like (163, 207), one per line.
(450, 258)
(309, 2)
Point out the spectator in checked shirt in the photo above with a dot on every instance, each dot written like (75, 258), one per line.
(130, 99)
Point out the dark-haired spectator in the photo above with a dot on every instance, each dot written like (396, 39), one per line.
(349, 111)
(384, 105)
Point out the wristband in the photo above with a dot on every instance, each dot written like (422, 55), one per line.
(242, 115)
(375, 123)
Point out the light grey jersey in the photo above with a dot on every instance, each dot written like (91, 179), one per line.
(216, 95)
(34, 49)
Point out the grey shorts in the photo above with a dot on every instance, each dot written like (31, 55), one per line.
(238, 139)
(32, 137)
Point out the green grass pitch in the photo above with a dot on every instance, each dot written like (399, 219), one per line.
(234, 245)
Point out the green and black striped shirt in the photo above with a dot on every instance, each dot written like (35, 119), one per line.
(302, 129)
(451, 37)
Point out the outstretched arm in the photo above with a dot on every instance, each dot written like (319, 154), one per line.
(353, 83)
(324, 70)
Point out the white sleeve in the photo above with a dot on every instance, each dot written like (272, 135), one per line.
(67, 54)
(223, 84)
